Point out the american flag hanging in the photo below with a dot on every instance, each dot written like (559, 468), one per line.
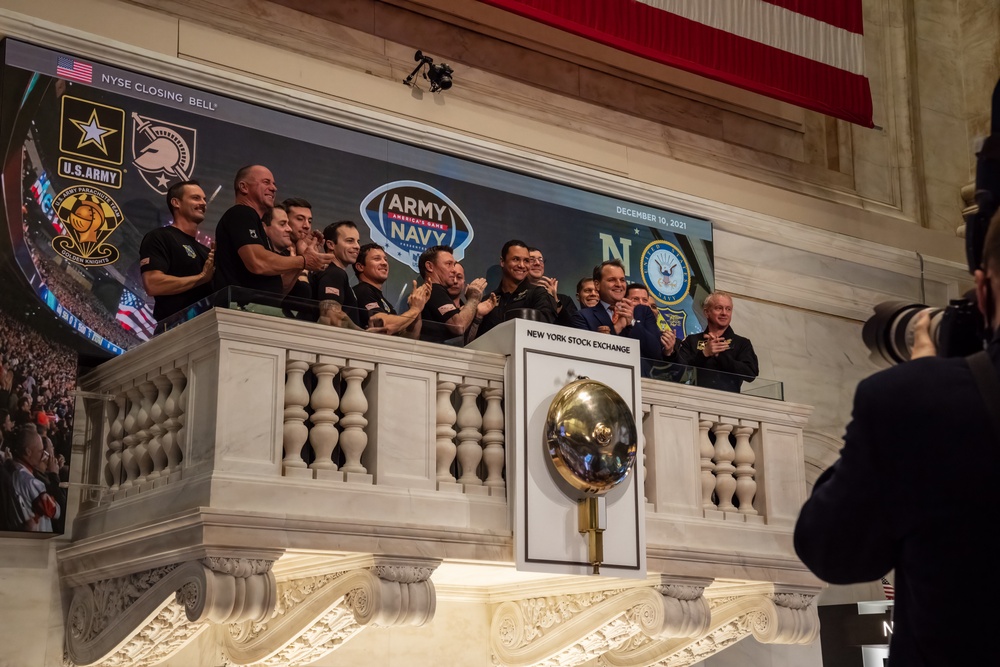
(806, 52)
(135, 316)
(69, 68)
(888, 589)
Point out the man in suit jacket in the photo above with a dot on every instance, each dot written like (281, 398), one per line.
(911, 492)
(619, 316)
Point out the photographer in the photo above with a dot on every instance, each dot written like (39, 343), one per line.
(910, 490)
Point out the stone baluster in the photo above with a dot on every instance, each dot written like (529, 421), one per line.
(746, 485)
(493, 439)
(324, 401)
(144, 421)
(725, 483)
(158, 414)
(295, 431)
(706, 452)
(174, 410)
(129, 461)
(470, 452)
(353, 405)
(115, 412)
(182, 432)
(445, 449)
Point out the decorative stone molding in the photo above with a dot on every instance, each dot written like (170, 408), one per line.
(144, 618)
(778, 618)
(572, 629)
(316, 615)
(136, 619)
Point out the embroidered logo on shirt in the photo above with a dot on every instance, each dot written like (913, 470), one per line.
(253, 233)
(144, 261)
(190, 251)
(701, 343)
(446, 308)
(333, 290)
(372, 306)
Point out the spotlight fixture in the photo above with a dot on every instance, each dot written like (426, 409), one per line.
(439, 75)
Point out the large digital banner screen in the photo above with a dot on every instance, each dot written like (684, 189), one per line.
(91, 150)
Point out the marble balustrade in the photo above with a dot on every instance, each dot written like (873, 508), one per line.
(259, 417)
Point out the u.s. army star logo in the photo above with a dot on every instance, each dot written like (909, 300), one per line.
(89, 216)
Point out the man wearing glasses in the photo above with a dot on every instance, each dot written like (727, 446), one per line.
(565, 308)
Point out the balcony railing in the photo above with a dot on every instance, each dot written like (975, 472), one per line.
(255, 437)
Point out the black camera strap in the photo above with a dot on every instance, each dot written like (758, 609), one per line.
(989, 385)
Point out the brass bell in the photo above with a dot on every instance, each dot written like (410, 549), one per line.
(592, 442)
(591, 437)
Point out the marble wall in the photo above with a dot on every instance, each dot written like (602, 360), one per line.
(957, 65)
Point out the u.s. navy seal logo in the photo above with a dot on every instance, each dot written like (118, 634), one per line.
(89, 216)
(408, 217)
(665, 272)
(162, 152)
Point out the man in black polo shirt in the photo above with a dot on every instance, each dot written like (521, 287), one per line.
(277, 227)
(456, 290)
(516, 289)
(443, 320)
(333, 288)
(372, 270)
(176, 269)
(300, 217)
(244, 255)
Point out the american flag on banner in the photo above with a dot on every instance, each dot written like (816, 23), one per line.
(809, 53)
(888, 589)
(135, 316)
(69, 68)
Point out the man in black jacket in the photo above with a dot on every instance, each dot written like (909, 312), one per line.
(723, 359)
(910, 493)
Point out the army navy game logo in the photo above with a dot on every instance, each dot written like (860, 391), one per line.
(89, 217)
(408, 217)
(666, 273)
(91, 134)
(162, 152)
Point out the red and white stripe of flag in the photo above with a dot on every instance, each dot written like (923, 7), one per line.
(70, 68)
(804, 52)
(888, 589)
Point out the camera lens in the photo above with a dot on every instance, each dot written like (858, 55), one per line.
(889, 332)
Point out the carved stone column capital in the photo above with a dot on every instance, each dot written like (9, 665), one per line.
(777, 618)
(315, 615)
(144, 617)
(572, 629)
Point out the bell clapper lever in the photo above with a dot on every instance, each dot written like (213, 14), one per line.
(593, 521)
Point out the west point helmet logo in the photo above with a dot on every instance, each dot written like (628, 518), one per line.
(162, 152)
(408, 217)
(90, 217)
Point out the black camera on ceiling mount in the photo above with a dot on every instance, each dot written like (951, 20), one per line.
(439, 75)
